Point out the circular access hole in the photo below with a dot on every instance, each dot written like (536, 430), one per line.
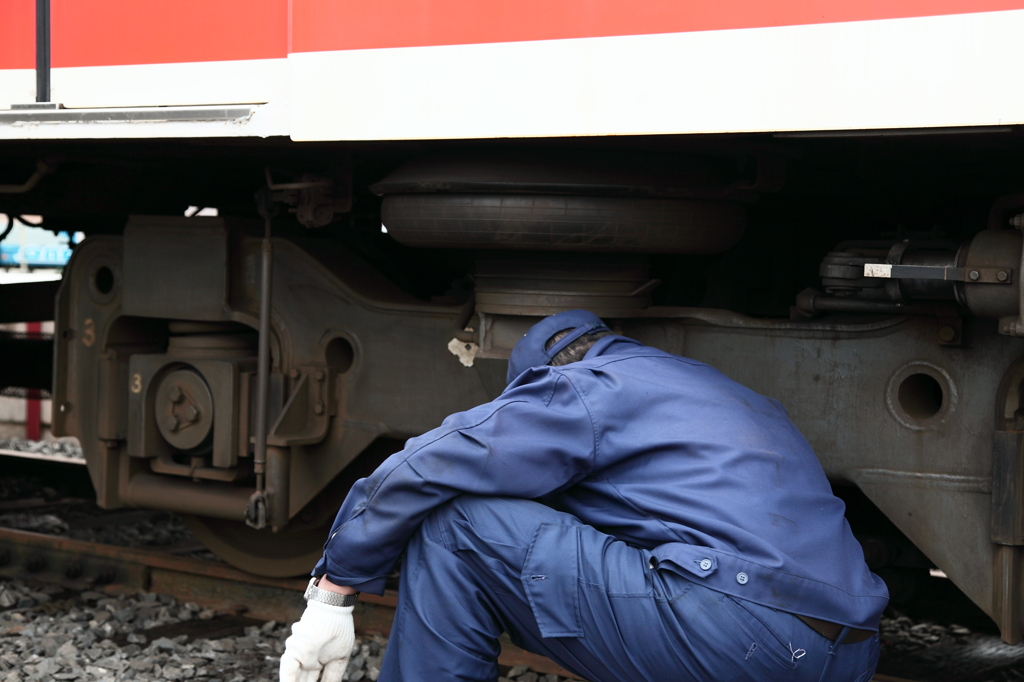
(340, 355)
(104, 279)
(920, 396)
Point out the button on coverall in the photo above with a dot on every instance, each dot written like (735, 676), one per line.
(634, 516)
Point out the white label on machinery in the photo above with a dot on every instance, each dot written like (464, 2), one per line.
(878, 270)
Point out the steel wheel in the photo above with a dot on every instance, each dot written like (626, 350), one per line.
(291, 552)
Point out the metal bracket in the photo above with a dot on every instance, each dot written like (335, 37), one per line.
(316, 199)
(949, 274)
(256, 510)
(306, 416)
(42, 168)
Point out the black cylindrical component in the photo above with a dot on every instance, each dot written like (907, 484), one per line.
(999, 250)
(929, 289)
(810, 301)
(26, 361)
(982, 275)
(42, 50)
(541, 222)
(219, 500)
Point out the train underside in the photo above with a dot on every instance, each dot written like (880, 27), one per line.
(870, 282)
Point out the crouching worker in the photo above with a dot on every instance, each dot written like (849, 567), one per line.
(631, 514)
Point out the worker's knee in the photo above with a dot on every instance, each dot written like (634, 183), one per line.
(500, 519)
(485, 511)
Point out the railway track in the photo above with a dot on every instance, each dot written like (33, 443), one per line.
(242, 600)
(79, 565)
(41, 457)
(246, 598)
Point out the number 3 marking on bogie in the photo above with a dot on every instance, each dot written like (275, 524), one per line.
(89, 333)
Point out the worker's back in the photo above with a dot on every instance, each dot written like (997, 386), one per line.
(716, 481)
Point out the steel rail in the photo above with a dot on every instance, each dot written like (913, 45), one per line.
(80, 565)
(56, 459)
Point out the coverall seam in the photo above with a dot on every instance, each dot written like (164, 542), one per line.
(405, 462)
(612, 360)
(603, 589)
(590, 415)
(783, 573)
(530, 596)
(344, 572)
(359, 513)
(791, 665)
(791, 575)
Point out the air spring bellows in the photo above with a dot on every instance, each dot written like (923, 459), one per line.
(596, 202)
(563, 223)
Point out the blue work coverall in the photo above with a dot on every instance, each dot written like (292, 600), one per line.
(635, 516)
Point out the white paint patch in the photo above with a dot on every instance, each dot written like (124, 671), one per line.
(188, 84)
(263, 82)
(903, 73)
(878, 270)
(266, 120)
(464, 351)
(17, 86)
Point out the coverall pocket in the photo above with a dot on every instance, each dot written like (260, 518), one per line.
(763, 639)
(551, 580)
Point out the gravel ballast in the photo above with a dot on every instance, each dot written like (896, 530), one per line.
(48, 633)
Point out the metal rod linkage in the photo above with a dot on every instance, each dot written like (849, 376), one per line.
(42, 50)
(263, 366)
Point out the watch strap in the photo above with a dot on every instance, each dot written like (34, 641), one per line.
(314, 593)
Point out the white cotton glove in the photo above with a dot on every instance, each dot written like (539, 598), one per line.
(321, 640)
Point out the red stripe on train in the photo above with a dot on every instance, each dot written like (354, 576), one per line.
(17, 34)
(111, 32)
(333, 25)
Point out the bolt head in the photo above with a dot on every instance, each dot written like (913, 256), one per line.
(191, 413)
(974, 275)
(175, 395)
(947, 333)
(320, 375)
(319, 407)
(293, 373)
(1001, 276)
(173, 422)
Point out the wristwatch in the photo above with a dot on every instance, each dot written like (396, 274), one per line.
(331, 598)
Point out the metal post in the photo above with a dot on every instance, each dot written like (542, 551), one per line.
(263, 366)
(278, 472)
(42, 50)
(257, 512)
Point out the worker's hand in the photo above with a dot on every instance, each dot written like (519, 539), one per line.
(321, 640)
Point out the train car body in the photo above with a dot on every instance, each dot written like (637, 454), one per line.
(821, 199)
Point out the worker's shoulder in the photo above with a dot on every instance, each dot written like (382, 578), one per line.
(634, 354)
